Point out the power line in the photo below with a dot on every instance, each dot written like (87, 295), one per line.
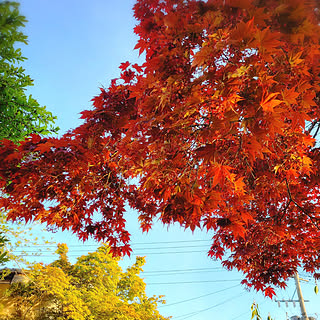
(183, 270)
(179, 273)
(188, 282)
(199, 297)
(132, 243)
(134, 253)
(178, 241)
(240, 315)
(138, 249)
(246, 312)
(192, 314)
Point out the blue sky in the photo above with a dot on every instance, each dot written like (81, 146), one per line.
(75, 47)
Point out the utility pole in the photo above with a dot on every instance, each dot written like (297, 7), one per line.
(301, 301)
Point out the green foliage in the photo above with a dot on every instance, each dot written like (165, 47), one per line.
(95, 287)
(255, 313)
(20, 115)
(3, 253)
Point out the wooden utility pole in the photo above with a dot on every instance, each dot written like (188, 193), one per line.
(301, 301)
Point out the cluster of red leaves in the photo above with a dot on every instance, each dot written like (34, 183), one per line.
(216, 130)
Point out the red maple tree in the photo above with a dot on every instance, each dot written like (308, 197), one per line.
(215, 130)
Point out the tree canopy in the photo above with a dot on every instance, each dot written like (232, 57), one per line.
(20, 115)
(95, 287)
(215, 130)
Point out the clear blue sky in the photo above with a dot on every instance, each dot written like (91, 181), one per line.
(75, 47)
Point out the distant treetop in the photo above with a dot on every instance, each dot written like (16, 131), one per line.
(20, 115)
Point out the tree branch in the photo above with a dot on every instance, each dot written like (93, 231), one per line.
(299, 207)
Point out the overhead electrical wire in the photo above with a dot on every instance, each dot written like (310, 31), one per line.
(178, 241)
(199, 297)
(246, 312)
(240, 315)
(192, 314)
(183, 270)
(139, 254)
(189, 282)
(134, 249)
(132, 243)
(179, 273)
(76, 250)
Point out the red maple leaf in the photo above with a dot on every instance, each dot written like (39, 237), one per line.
(216, 129)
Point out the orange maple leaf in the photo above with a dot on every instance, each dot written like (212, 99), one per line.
(237, 229)
(269, 102)
(289, 96)
(239, 185)
(268, 41)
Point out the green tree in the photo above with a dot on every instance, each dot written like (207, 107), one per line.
(95, 287)
(20, 115)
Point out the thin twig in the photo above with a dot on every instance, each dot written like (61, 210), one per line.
(312, 125)
(299, 207)
(285, 209)
(316, 133)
